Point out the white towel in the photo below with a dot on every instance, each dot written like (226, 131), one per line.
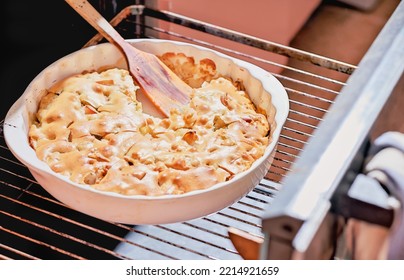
(385, 164)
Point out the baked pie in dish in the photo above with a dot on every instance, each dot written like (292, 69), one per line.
(91, 128)
(88, 137)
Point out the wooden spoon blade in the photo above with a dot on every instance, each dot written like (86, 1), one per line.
(160, 85)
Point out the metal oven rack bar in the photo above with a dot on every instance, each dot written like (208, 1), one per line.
(33, 225)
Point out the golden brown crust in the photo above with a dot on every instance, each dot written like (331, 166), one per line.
(194, 74)
(91, 128)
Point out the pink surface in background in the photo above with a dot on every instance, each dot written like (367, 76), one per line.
(275, 21)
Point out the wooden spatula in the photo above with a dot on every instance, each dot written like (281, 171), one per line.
(159, 84)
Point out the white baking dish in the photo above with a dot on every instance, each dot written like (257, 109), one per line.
(264, 89)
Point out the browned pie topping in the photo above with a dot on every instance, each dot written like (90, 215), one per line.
(91, 128)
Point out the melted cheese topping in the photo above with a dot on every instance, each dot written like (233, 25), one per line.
(91, 128)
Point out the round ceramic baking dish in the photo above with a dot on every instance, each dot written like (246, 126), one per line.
(264, 89)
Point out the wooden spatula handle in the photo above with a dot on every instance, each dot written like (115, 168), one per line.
(89, 13)
(159, 83)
